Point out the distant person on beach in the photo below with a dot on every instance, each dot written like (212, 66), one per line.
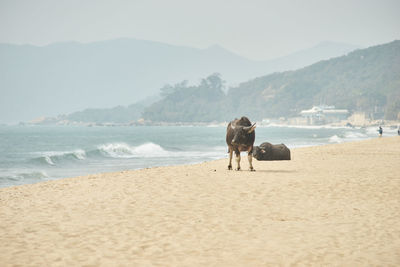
(398, 131)
(380, 130)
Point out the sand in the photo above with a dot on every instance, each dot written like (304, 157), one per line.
(336, 205)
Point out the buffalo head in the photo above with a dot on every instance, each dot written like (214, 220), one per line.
(241, 134)
(258, 152)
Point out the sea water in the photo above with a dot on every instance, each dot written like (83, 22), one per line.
(30, 154)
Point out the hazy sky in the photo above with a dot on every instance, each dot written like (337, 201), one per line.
(254, 29)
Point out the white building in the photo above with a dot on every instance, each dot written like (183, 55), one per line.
(324, 114)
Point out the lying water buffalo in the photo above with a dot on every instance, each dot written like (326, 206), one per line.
(267, 151)
(240, 136)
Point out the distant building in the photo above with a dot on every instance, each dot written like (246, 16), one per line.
(324, 114)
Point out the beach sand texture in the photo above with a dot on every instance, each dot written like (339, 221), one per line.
(336, 205)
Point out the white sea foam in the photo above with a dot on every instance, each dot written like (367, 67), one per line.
(123, 150)
(48, 160)
(35, 175)
(116, 150)
(27, 175)
(150, 150)
(79, 154)
(335, 139)
(355, 135)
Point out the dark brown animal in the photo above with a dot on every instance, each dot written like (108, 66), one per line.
(240, 137)
(267, 151)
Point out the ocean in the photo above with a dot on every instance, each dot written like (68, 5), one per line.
(31, 154)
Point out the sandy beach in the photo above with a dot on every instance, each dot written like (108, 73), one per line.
(333, 205)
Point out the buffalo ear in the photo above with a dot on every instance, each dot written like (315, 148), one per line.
(252, 128)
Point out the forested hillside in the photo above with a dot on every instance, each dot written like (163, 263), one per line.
(365, 80)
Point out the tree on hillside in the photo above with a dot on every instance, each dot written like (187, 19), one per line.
(170, 89)
(183, 103)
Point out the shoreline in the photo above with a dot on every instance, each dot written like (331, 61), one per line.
(334, 204)
(243, 159)
(335, 140)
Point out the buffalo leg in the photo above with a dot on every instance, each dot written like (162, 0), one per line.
(237, 154)
(250, 158)
(230, 159)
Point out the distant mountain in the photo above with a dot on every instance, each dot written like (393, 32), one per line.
(366, 80)
(67, 77)
(323, 51)
(119, 114)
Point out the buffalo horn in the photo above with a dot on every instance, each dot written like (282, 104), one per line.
(249, 129)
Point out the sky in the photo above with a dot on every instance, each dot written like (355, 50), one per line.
(254, 29)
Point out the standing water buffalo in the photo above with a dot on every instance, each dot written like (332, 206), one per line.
(240, 136)
(267, 151)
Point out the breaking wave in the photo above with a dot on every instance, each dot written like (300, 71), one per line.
(126, 151)
(151, 150)
(122, 150)
(52, 157)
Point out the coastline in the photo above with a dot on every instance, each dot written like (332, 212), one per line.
(288, 122)
(332, 204)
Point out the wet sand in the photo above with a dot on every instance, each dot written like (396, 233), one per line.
(336, 205)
